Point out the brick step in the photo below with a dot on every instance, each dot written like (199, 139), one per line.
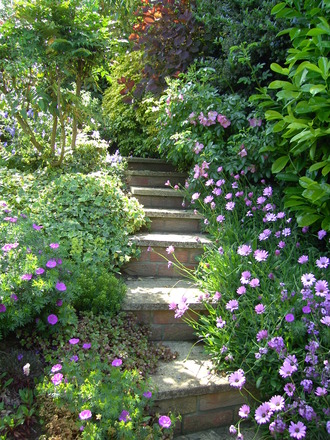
(156, 179)
(173, 220)
(141, 163)
(159, 197)
(187, 386)
(153, 260)
(149, 298)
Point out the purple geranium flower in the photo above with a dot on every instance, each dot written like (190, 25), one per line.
(116, 362)
(85, 414)
(164, 421)
(54, 245)
(60, 286)
(40, 271)
(56, 367)
(87, 345)
(57, 378)
(74, 341)
(147, 394)
(124, 416)
(26, 276)
(52, 319)
(289, 317)
(3, 308)
(51, 264)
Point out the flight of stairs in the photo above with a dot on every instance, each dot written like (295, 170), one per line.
(186, 385)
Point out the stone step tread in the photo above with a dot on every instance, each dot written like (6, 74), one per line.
(189, 374)
(166, 174)
(145, 160)
(160, 192)
(150, 293)
(172, 213)
(219, 434)
(158, 239)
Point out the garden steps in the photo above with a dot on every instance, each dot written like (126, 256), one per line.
(153, 260)
(149, 299)
(185, 385)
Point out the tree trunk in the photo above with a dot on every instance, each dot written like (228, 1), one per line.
(75, 111)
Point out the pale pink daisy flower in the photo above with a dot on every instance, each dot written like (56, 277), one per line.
(308, 279)
(263, 413)
(276, 403)
(297, 430)
(303, 259)
(322, 262)
(244, 411)
(244, 250)
(260, 255)
(170, 249)
(237, 379)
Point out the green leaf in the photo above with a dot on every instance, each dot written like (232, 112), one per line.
(278, 69)
(317, 89)
(273, 115)
(286, 85)
(316, 32)
(307, 219)
(326, 170)
(309, 66)
(258, 382)
(276, 9)
(279, 164)
(324, 64)
(280, 126)
(317, 165)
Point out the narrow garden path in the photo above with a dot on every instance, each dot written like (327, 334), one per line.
(185, 385)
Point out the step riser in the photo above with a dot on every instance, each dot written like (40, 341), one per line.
(163, 325)
(151, 264)
(201, 412)
(150, 166)
(169, 202)
(152, 181)
(174, 225)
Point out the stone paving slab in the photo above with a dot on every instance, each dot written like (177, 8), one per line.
(151, 293)
(176, 240)
(218, 434)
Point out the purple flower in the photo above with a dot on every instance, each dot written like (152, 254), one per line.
(3, 308)
(260, 255)
(245, 278)
(261, 200)
(26, 276)
(57, 378)
(286, 232)
(230, 206)
(259, 309)
(51, 264)
(223, 121)
(220, 322)
(56, 367)
(232, 430)
(244, 250)
(254, 283)
(263, 413)
(321, 234)
(322, 262)
(170, 249)
(124, 416)
(321, 391)
(40, 271)
(36, 227)
(220, 218)
(232, 305)
(265, 234)
(208, 199)
(287, 369)
(262, 334)
(241, 290)
(325, 320)
(54, 245)
(267, 192)
(303, 259)
(195, 196)
(60, 286)
(308, 279)
(164, 421)
(306, 310)
(74, 341)
(19, 357)
(289, 388)
(116, 362)
(147, 394)
(276, 403)
(307, 384)
(297, 430)
(87, 346)
(321, 288)
(74, 358)
(59, 303)
(85, 414)
(237, 379)
(52, 319)
(244, 411)
(289, 317)
(14, 297)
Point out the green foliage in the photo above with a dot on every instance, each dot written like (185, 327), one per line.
(98, 291)
(46, 46)
(300, 111)
(241, 42)
(129, 120)
(89, 214)
(198, 124)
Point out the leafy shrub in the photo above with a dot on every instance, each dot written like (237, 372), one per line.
(198, 125)
(300, 111)
(267, 298)
(98, 291)
(241, 42)
(170, 38)
(90, 214)
(129, 121)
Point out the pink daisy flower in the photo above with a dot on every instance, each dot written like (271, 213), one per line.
(263, 413)
(297, 430)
